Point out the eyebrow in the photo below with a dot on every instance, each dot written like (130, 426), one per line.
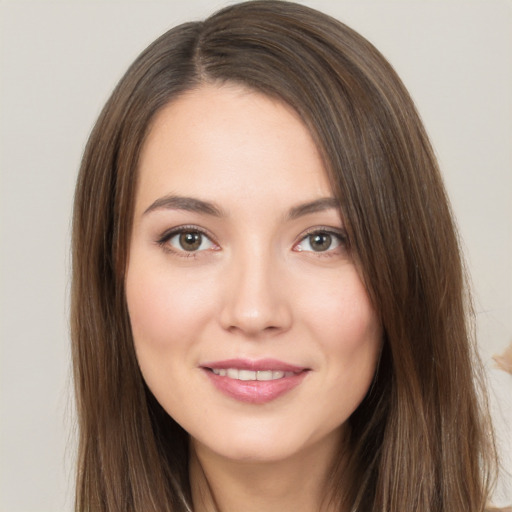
(192, 204)
(319, 205)
(189, 204)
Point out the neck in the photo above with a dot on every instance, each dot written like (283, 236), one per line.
(299, 483)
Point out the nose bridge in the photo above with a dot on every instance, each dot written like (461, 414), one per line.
(255, 300)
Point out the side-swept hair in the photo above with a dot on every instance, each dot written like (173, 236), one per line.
(420, 440)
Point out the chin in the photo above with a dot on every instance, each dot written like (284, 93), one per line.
(257, 452)
(267, 445)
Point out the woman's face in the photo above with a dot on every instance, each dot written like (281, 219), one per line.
(251, 324)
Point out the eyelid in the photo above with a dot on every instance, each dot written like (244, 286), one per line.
(339, 233)
(185, 228)
(168, 234)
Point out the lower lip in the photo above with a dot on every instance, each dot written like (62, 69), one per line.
(255, 391)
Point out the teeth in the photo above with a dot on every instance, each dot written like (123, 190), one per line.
(246, 375)
(232, 373)
(235, 373)
(265, 375)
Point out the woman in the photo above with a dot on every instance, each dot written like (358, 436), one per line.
(269, 307)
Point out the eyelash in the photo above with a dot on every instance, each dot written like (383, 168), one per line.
(164, 239)
(340, 235)
(168, 235)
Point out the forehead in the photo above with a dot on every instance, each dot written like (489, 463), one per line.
(229, 141)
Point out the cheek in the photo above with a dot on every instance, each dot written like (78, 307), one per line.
(346, 326)
(167, 317)
(354, 346)
(341, 313)
(357, 335)
(164, 310)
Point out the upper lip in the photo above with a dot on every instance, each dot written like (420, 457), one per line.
(254, 365)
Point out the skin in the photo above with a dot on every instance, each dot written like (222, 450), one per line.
(257, 286)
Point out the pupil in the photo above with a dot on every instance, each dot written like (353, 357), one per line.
(320, 242)
(190, 241)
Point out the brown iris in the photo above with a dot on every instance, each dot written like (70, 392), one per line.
(320, 241)
(190, 241)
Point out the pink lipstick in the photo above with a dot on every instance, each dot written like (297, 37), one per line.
(255, 382)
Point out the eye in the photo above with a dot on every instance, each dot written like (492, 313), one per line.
(321, 241)
(186, 240)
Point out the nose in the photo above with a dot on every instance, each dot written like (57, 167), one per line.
(256, 299)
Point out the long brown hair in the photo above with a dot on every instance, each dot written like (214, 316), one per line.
(420, 440)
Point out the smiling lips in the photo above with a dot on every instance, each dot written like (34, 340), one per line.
(255, 382)
(260, 375)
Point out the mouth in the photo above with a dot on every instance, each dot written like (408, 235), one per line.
(255, 382)
(245, 375)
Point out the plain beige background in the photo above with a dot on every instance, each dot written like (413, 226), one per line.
(60, 59)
